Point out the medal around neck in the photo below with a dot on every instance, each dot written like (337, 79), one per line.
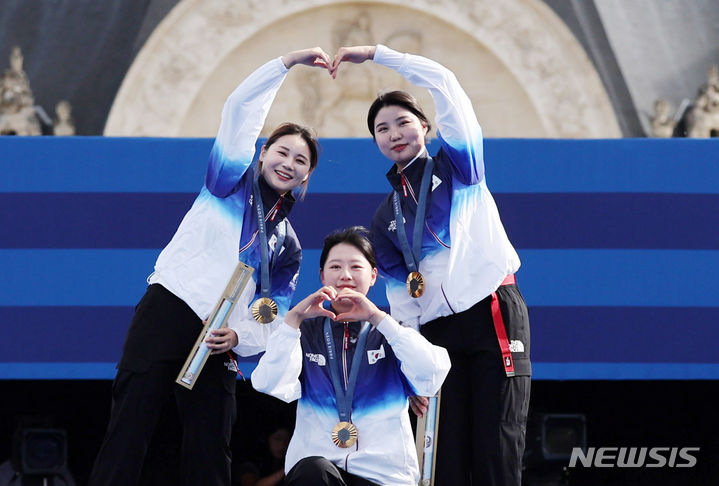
(218, 319)
(344, 435)
(415, 284)
(264, 310)
(413, 254)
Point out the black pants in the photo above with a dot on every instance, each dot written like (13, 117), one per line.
(318, 471)
(483, 413)
(141, 389)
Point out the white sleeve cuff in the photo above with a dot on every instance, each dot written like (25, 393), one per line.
(287, 330)
(388, 57)
(281, 66)
(389, 328)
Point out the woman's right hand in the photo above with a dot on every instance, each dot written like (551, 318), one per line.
(313, 56)
(311, 306)
(419, 405)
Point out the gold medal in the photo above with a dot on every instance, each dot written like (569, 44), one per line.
(264, 310)
(344, 435)
(415, 284)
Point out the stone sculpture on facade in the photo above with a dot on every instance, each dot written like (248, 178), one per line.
(703, 117)
(63, 124)
(17, 105)
(662, 121)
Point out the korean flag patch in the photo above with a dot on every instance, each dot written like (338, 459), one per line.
(374, 355)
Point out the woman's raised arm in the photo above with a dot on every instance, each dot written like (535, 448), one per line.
(244, 114)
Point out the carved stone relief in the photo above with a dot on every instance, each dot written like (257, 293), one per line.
(524, 72)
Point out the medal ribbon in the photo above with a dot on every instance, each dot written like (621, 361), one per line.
(412, 256)
(265, 284)
(344, 397)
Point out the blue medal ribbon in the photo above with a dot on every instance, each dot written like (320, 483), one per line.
(412, 256)
(344, 397)
(265, 284)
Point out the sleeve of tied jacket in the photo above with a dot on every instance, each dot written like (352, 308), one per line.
(278, 371)
(423, 364)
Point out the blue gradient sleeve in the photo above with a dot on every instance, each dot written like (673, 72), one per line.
(456, 120)
(243, 116)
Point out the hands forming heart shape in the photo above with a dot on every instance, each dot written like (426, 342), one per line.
(350, 305)
(317, 57)
(346, 301)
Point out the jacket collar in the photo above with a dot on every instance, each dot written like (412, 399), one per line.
(412, 172)
(269, 199)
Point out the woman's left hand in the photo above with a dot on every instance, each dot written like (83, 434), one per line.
(221, 340)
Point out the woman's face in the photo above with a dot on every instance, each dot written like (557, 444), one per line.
(278, 442)
(286, 163)
(347, 267)
(399, 134)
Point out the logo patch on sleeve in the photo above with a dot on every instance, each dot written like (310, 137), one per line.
(374, 355)
(231, 365)
(516, 346)
(316, 358)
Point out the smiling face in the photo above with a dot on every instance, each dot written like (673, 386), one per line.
(347, 267)
(286, 163)
(399, 134)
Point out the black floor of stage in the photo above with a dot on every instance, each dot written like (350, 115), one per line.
(671, 414)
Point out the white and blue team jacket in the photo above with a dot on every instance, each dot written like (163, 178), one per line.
(397, 363)
(221, 226)
(465, 250)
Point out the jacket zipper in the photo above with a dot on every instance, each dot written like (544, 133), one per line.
(345, 347)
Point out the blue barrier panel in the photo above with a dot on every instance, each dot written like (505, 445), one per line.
(618, 240)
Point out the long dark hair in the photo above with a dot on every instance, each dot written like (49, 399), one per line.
(356, 236)
(307, 134)
(395, 98)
